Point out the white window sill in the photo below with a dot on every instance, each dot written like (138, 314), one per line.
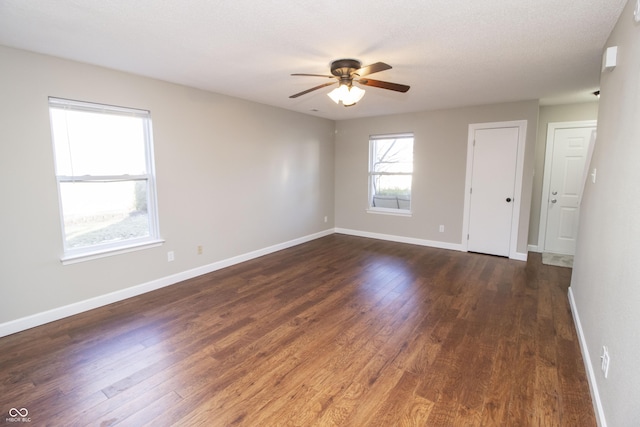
(88, 256)
(393, 212)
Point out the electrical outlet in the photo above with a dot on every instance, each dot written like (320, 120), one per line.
(442, 228)
(326, 219)
(170, 256)
(605, 361)
(199, 249)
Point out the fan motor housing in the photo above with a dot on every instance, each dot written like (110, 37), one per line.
(345, 67)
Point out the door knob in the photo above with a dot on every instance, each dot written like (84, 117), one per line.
(508, 199)
(554, 200)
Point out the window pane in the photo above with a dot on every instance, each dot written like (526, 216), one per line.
(392, 185)
(95, 143)
(104, 168)
(390, 172)
(393, 155)
(104, 212)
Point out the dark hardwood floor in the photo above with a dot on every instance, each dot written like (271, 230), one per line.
(339, 331)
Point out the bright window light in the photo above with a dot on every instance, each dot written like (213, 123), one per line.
(390, 172)
(105, 174)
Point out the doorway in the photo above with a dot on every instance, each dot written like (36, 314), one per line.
(567, 157)
(495, 160)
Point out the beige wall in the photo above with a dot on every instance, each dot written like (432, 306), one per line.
(440, 153)
(552, 114)
(606, 274)
(232, 176)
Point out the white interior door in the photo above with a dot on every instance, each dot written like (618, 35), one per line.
(492, 192)
(568, 159)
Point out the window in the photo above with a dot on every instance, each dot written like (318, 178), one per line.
(390, 173)
(104, 169)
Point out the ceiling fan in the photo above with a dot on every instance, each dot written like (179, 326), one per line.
(346, 72)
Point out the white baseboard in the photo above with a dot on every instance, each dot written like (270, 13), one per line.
(422, 242)
(533, 248)
(401, 239)
(38, 319)
(593, 385)
(519, 256)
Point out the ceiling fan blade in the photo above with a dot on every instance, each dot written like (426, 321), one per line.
(312, 89)
(313, 75)
(373, 68)
(384, 85)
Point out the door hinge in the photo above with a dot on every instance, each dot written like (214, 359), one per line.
(471, 191)
(467, 237)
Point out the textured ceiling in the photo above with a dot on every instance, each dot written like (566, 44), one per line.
(451, 52)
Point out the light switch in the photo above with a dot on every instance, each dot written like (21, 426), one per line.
(593, 175)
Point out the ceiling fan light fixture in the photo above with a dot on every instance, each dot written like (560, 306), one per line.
(348, 71)
(337, 94)
(355, 95)
(347, 95)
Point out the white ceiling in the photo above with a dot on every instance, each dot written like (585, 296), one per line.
(451, 52)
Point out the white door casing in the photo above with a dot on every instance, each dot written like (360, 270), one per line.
(495, 161)
(568, 154)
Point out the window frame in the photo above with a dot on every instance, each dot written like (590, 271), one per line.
(78, 254)
(372, 174)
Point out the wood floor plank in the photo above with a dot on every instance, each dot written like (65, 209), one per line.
(574, 392)
(546, 402)
(136, 413)
(498, 394)
(339, 331)
(426, 343)
(399, 401)
(446, 365)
